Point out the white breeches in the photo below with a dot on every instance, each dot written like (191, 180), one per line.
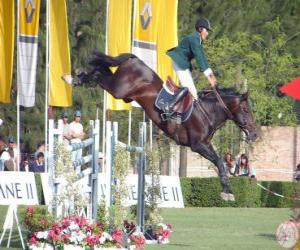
(186, 79)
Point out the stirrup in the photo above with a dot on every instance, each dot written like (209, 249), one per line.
(166, 116)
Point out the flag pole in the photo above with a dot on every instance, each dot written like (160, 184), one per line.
(18, 93)
(47, 82)
(104, 92)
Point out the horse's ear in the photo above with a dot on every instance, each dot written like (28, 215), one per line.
(244, 96)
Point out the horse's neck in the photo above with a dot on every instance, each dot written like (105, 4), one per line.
(216, 114)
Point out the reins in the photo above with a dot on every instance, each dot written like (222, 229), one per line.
(223, 105)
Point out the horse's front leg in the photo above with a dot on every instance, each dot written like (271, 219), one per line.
(208, 152)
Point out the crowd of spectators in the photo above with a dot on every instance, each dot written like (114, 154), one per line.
(10, 158)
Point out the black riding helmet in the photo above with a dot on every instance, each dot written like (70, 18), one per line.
(203, 23)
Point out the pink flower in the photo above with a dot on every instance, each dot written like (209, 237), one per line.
(43, 221)
(30, 211)
(66, 222)
(117, 236)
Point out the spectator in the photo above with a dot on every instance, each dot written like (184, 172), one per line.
(243, 167)
(66, 129)
(77, 134)
(13, 146)
(4, 155)
(38, 165)
(10, 164)
(229, 164)
(40, 148)
(25, 167)
(297, 173)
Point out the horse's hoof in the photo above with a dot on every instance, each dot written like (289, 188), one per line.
(224, 196)
(231, 197)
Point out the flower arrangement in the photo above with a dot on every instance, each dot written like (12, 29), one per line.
(77, 231)
(163, 232)
(36, 218)
(138, 239)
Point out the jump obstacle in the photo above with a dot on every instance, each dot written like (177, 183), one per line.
(92, 143)
(112, 142)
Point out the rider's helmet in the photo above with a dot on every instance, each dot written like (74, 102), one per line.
(203, 23)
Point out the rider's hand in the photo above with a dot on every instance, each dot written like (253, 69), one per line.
(212, 80)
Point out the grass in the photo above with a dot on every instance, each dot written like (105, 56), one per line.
(214, 228)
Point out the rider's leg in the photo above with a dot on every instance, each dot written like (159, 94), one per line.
(186, 79)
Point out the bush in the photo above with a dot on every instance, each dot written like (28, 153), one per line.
(205, 192)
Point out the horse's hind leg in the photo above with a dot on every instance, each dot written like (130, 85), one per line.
(208, 152)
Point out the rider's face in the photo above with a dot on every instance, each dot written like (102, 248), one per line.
(203, 34)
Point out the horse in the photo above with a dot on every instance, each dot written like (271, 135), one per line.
(135, 81)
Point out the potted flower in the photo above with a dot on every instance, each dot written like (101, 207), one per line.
(163, 233)
(138, 239)
(36, 219)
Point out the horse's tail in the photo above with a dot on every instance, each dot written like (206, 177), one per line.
(100, 59)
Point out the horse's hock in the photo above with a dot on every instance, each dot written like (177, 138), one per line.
(274, 156)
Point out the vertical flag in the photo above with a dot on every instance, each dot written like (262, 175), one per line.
(118, 39)
(166, 37)
(155, 31)
(144, 43)
(59, 56)
(28, 18)
(7, 20)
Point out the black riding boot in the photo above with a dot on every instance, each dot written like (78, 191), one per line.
(181, 93)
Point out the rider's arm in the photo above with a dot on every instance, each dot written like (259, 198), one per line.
(200, 57)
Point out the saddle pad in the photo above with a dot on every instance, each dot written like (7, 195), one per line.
(164, 97)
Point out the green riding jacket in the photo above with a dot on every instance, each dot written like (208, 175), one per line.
(190, 47)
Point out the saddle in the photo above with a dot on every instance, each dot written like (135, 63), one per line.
(182, 109)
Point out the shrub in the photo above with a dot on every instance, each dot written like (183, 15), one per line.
(205, 192)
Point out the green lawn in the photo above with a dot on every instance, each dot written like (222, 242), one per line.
(216, 228)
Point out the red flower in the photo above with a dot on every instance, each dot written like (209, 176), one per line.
(33, 240)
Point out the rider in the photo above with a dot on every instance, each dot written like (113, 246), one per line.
(191, 47)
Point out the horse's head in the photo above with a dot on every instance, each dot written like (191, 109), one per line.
(243, 117)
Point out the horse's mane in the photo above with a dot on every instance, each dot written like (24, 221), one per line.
(208, 94)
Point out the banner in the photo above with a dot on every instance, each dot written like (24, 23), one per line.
(60, 79)
(166, 38)
(7, 23)
(17, 188)
(170, 189)
(144, 44)
(28, 18)
(154, 34)
(118, 39)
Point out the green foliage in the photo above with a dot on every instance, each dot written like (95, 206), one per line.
(118, 213)
(205, 192)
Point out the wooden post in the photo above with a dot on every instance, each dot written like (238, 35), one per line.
(183, 162)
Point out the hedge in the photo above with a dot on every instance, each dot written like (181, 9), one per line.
(205, 192)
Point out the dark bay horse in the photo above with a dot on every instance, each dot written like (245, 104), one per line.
(135, 81)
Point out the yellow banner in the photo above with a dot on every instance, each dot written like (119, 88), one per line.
(118, 39)
(7, 24)
(146, 18)
(60, 62)
(155, 31)
(29, 17)
(166, 38)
